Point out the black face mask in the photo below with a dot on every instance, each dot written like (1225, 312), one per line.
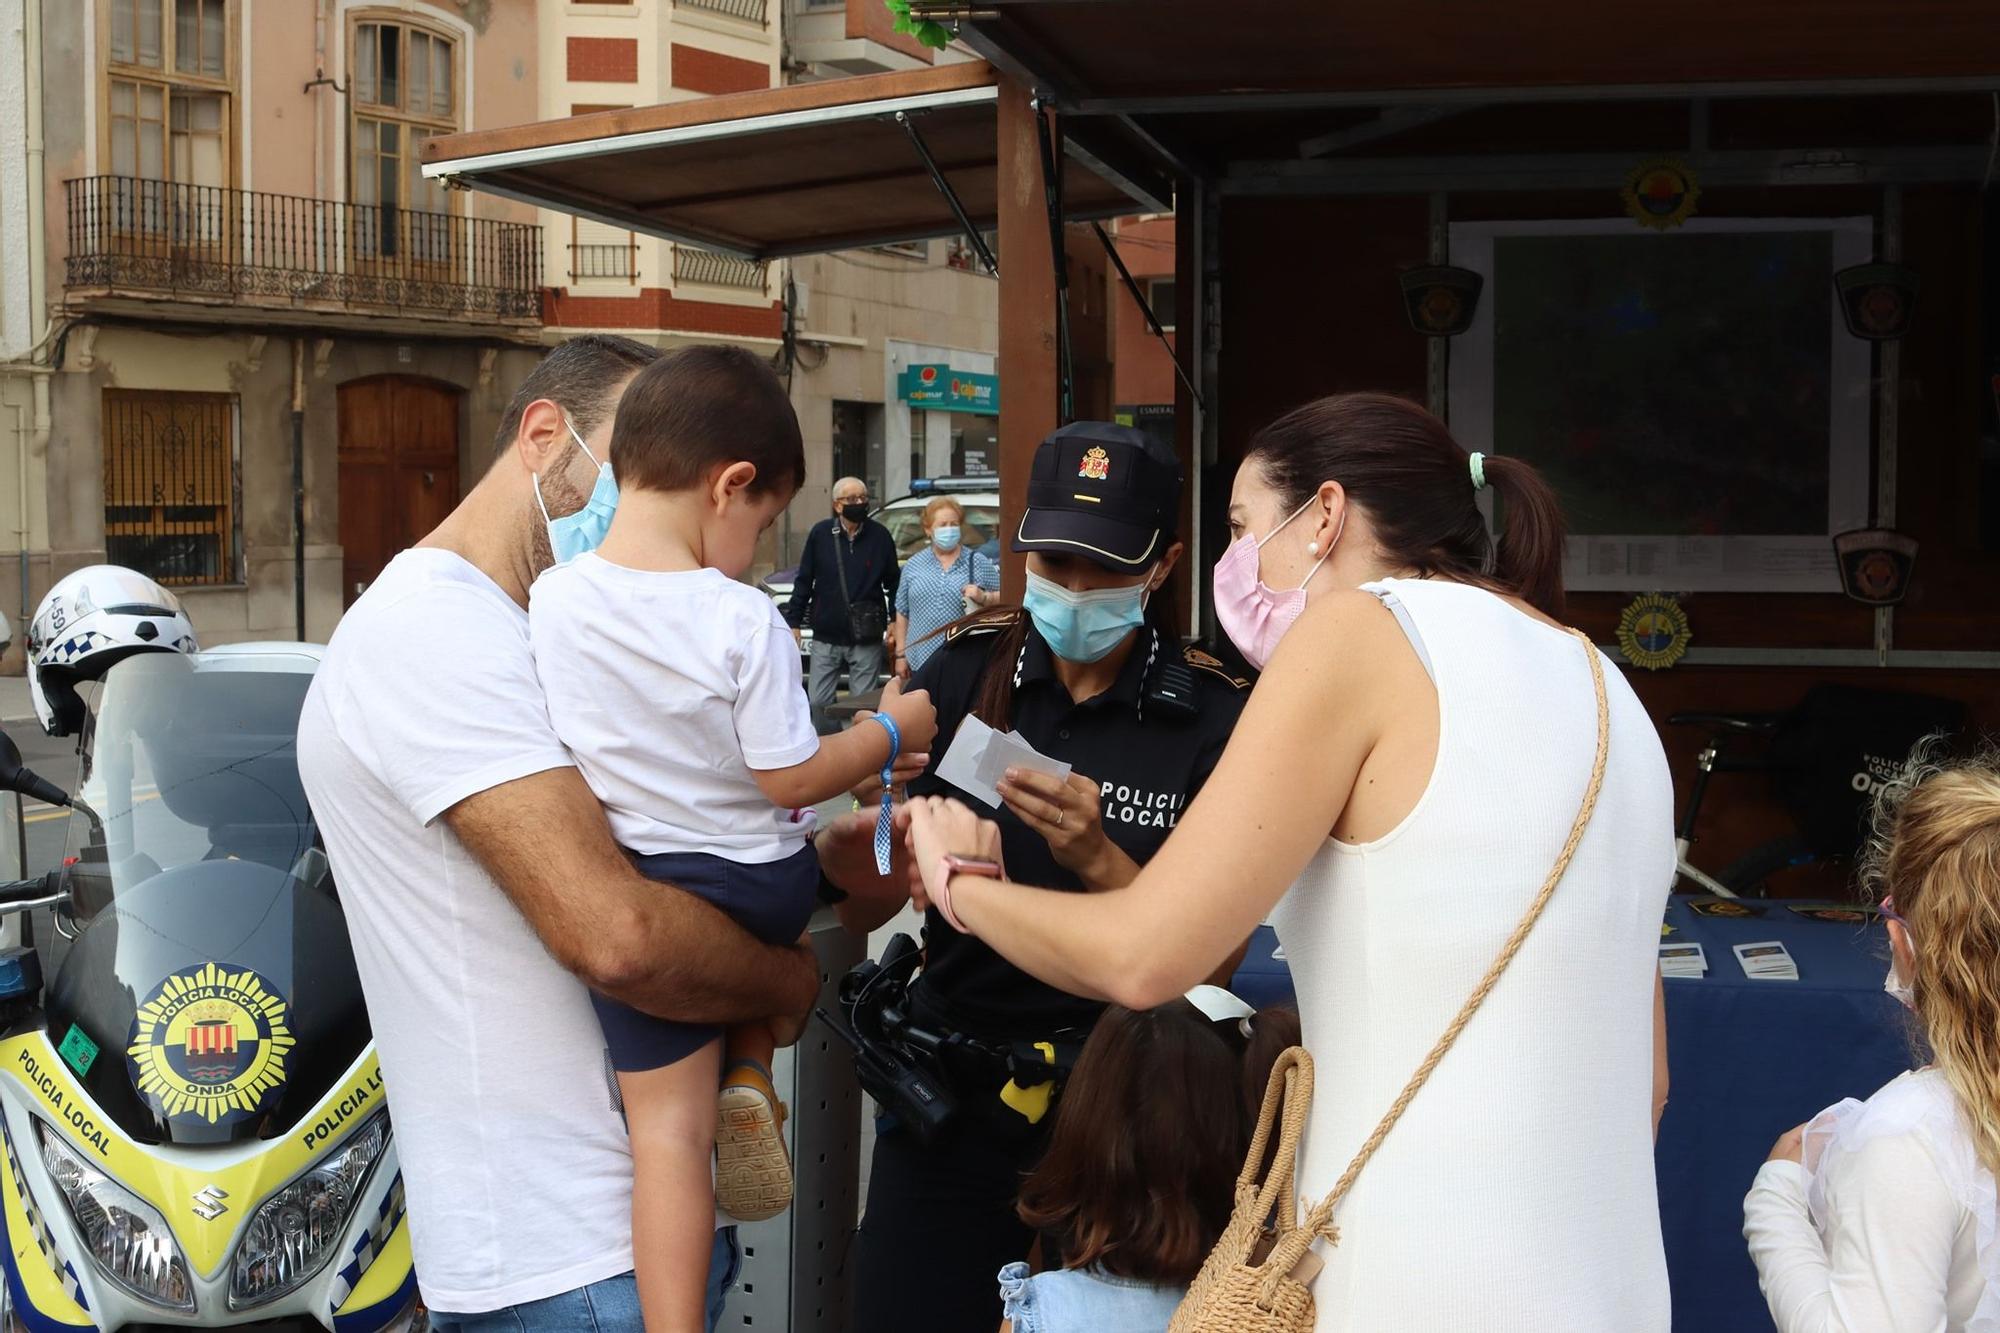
(854, 513)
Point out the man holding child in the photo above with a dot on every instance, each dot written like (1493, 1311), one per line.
(488, 897)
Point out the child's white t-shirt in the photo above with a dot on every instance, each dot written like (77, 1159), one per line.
(669, 689)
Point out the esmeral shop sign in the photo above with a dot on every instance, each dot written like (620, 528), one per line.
(942, 389)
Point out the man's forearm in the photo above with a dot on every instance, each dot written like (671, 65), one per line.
(691, 963)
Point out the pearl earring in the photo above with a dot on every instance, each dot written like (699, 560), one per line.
(1312, 548)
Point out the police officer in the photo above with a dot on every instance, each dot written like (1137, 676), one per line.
(1089, 671)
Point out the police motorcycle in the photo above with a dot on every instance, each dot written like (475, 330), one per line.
(191, 1113)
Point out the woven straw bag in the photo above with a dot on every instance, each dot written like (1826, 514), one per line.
(1258, 1279)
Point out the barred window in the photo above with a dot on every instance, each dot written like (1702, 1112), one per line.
(170, 507)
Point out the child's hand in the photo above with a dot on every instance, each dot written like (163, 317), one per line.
(915, 718)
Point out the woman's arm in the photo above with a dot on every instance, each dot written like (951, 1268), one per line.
(1659, 1051)
(1884, 1264)
(1272, 802)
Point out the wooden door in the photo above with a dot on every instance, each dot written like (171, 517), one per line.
(398, 470)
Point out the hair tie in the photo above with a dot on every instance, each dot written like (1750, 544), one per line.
(1477, 464)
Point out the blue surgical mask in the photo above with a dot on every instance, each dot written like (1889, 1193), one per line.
(1084, 626)
(573, 534)
(945, 536)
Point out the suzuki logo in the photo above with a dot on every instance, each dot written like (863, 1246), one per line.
(209, 1205)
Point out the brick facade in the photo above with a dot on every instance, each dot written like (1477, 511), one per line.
(657, 308)
(701, 71)
(604, 60)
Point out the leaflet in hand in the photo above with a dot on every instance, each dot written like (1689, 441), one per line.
(979, 756)
(1767, 960)
(1683, 960)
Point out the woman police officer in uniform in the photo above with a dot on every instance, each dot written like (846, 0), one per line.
(1089, 671)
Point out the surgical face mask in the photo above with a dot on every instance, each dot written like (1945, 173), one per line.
(1896, 988)
(1253, 615)
(1083, 626)
(945, 536)
(854, 513)
(573, 534)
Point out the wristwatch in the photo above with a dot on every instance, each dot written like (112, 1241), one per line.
(950, 864)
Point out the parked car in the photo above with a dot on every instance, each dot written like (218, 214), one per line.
(904, 518)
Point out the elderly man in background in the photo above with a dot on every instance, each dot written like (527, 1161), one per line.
(845, 586)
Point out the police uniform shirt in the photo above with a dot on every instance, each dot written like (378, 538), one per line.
(1148, 757)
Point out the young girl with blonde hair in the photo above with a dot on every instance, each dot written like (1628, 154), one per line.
(1881, 1215)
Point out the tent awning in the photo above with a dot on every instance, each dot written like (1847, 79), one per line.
(794, 170)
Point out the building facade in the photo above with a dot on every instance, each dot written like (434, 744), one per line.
(246, 348)
(274, 354)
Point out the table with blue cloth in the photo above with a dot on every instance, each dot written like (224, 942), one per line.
(1747, 1061)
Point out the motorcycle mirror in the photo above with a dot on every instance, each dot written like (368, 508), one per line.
(17, 776)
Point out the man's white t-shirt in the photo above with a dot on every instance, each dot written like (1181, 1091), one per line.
(515, 1160)
(669, 688)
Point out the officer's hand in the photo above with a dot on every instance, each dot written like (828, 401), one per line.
(1068, 816)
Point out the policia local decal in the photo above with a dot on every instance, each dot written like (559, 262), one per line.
(210, 1042)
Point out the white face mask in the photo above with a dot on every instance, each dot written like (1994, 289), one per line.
(1901, 990)
(1897, 988)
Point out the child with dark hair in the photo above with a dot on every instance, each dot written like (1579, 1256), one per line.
(676, 689)
(1141, 1168)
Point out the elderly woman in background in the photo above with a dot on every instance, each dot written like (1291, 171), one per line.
(937, 583)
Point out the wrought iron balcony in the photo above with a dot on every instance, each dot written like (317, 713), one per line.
(205, 244)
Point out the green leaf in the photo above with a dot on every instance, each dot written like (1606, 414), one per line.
(934, 34)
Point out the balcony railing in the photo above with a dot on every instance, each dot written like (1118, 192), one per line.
(601, 261)
(717, 270)
(206, 243)
(750, 10)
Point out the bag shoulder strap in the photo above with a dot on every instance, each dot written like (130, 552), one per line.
(840, 561)
(1320, 1219)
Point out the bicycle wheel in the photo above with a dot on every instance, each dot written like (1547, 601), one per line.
(1749, 873)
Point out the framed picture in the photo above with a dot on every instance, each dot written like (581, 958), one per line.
(1694, 396)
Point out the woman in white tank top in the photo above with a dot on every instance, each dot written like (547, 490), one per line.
(1400, 785)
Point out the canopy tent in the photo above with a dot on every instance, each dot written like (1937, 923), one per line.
(795, 170)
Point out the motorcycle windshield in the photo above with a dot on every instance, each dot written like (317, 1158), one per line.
(210, 995)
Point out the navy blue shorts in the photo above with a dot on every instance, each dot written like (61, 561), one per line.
(772, 901)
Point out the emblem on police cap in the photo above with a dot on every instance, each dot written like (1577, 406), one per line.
(1096, 464)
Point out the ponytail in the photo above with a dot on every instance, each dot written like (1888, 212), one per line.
(1401, 467)
(1529, 562)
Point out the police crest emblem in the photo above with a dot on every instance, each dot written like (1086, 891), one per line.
(1653, 632)
(1096, 464)
(210, 1042)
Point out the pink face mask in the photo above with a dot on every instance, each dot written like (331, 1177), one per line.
(1252, 615)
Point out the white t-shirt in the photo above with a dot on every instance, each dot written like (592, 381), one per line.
(669, 688)
(515, 1161)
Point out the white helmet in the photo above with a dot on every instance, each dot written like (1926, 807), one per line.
(90, 621)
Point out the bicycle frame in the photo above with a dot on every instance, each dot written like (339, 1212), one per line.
(1706, 764)
(1686, 869)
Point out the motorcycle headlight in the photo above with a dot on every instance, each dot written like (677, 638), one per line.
(292, 1235)
(128, 1239)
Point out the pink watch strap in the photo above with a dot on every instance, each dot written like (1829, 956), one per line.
(949, 865)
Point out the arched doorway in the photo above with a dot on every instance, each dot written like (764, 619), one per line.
(398, 470)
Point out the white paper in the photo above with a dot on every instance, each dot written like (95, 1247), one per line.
(979, 756)
(1767, 960)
